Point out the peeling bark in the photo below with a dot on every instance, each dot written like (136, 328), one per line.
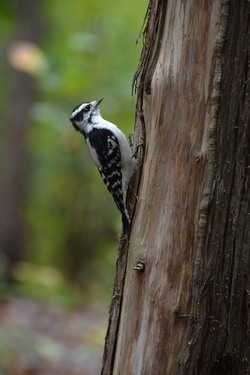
(187, 313)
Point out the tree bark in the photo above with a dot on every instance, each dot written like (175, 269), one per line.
(187, 310)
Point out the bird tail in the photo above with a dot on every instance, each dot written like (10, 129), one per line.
(125, 216)
(125, 221)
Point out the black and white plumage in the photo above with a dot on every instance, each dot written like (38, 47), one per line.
(110, 152)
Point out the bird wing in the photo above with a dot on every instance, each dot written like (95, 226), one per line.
(105, 152)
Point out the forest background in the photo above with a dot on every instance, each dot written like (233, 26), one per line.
(58, 224)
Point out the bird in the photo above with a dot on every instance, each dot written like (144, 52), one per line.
(110, 151)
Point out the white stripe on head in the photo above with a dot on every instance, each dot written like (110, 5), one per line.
(78, 109)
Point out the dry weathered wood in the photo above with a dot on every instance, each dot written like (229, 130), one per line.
(218, 335)
(187, 313)
(115, 308)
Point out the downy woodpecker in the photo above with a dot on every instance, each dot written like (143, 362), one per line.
(109, 150)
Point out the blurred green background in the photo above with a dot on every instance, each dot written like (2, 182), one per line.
(58, 224)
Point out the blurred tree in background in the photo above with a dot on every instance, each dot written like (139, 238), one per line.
(21, 95)
(57, 220)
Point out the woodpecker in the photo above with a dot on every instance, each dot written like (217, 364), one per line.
(109, 150)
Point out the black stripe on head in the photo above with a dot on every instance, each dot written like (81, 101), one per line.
(79, 105)
(78, 112)
(81, 114)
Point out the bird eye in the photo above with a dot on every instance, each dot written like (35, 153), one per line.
(87, 108)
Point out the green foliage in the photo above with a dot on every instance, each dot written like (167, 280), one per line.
(90, 52)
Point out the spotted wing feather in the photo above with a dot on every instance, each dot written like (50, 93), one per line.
(108, 162)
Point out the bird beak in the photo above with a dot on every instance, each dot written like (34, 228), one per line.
(98, 102)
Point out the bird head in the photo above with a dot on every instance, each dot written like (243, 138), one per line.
(84, 113)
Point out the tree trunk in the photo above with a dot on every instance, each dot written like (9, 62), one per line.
(184, 308)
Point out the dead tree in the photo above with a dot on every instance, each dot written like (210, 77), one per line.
(181, 296)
